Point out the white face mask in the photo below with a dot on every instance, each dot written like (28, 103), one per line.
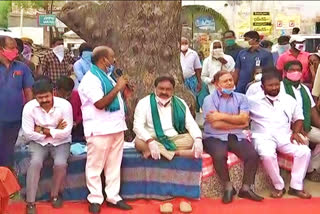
(300, 47)
(184, 47)
(258, 77)
(283, 48)
(59, 52)
(217, 53)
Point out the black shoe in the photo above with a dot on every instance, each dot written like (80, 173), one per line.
(57, 202)
(31, 208)
(228, 196)
(249, 194)
(120, 205)
(94, 208)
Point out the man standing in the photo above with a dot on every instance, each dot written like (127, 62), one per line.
(296, 52)
(104, 125)
(230, 46)
(295, 30)
(273, 114)
(191, 68)
(15, 85)
(164, 125)
(57, 62)
(282, 47)
(47, 123)
(226, 116)
(249, 59)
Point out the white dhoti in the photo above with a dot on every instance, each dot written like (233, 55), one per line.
(266, 146)
(314, 137)
(104, 153)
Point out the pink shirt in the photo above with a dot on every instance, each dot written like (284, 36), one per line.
(303, 57)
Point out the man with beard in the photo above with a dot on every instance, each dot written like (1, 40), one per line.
(47, 122)
(15, 85)
(164, 125)
(277, 124)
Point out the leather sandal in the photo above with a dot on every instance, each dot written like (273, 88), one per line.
(278, 193)
(299, 193)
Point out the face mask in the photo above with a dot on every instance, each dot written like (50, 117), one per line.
(59, 52)
(300, 47)
(184, 48)
(319, 51)
(246, 45)
(294, 76)
(86, 55)
(110, 69)
(230, 42)
(10, 54)
(164, 101)
(227, 91)
(283, 48)
(272, 98)
(217, 53)
(258, 77)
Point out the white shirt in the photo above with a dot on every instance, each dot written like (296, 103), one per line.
(255, 89)
(212, 66)
(143, 124)
(95, 121)
(189, 63)
(268, 119)
(33, 114)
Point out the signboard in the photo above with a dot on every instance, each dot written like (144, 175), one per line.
(288, 22)
(47, 20)
(205, 23)
(261, 22)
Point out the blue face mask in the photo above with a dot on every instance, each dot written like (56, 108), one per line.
(110, 69)
(86, 55)
(227, 91)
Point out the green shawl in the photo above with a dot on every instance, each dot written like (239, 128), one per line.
(178, 120)
(106, 87)
(305, 101)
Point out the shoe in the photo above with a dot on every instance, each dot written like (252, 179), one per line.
(57, 202)
(120, 205)
(94, 208)
(278, 193)
(228, 196)
(31, 208)
(299, 193)
(249, 194)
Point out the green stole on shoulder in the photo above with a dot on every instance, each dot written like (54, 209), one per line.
(306, 103)
(178, 120)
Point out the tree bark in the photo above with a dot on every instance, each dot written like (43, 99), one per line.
(145, 36)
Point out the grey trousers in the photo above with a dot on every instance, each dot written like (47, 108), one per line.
(39, 153)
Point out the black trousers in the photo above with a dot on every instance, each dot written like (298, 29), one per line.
(218, 150)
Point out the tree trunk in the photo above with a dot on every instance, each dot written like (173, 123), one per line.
(145, 36)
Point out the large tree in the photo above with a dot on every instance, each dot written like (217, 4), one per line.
(145, 36)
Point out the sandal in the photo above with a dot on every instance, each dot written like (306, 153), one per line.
(278, 193)
(299, 193)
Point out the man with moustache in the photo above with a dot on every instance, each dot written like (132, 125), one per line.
(15, 86)
(276, 124)
(47, 122)
(164, 125)
(104, 125)
(226, 116)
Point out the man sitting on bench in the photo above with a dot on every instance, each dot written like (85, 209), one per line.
(164, 125)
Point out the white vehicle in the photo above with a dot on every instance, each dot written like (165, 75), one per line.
(7, 32)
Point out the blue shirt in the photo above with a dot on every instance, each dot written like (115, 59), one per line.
(246, 63)
(83, 65)
(12, 83)
(232, 105)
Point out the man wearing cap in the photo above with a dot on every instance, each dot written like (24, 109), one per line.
(296, 52)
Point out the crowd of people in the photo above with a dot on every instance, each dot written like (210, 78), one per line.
(254, 102)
